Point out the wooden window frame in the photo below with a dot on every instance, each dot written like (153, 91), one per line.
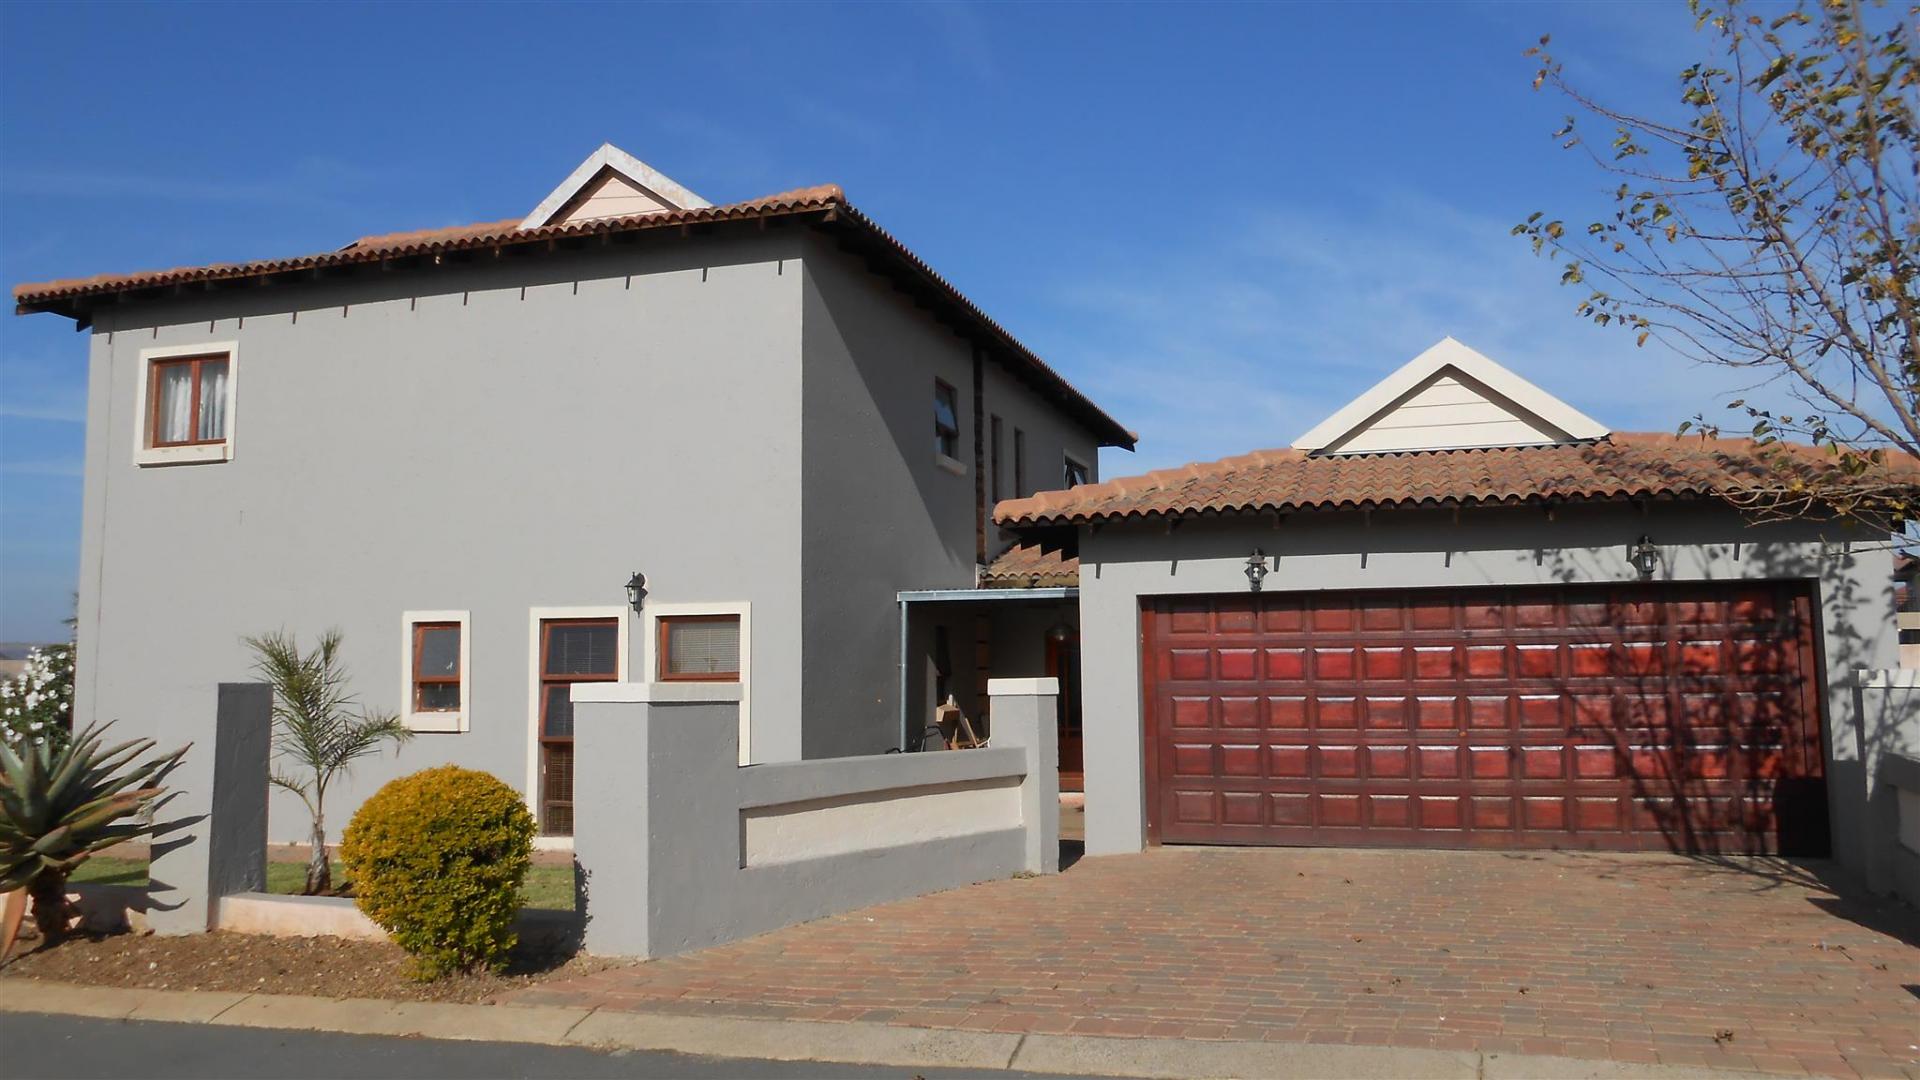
(544, 680)
(420, 681)
(742, 610)
(663, 627)
(434, 721)
(942, 390)
(536, 662)
(148, 448)
(195, 366)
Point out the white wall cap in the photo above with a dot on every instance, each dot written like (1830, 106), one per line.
(612, 157)
(1449, 353)
(1012, 687)
(677, 693)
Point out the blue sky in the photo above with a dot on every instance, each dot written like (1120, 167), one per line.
(1219, 222)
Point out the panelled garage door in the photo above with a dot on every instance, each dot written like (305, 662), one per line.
(1632, 717)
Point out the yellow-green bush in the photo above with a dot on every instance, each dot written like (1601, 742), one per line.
(437, 859)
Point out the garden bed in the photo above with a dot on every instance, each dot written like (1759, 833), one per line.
(248, 963)
(549, 886)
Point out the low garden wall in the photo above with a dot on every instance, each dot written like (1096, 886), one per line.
(1888, 703)
(682, 848)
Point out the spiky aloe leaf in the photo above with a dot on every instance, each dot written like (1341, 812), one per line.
(58, 807)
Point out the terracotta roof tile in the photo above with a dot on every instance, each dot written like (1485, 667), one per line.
(1028, 566)
(72, 296)
(1622, 466)
(38, 295)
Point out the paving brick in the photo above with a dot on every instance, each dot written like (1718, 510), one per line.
(1634, 958)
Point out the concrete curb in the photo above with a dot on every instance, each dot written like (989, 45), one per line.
(807, 1040)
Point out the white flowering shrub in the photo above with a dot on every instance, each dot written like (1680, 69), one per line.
(37, 704)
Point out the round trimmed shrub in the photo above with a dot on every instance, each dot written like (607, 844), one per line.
(437, 859)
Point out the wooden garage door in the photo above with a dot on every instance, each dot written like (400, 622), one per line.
(1680, 717)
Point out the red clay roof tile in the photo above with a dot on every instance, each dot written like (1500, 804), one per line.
(1027, 566)
(1624, 465)
(70, 296)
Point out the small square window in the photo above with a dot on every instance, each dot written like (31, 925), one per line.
(1076, 473)
(186, 405)
(946, 421)
(699, 648)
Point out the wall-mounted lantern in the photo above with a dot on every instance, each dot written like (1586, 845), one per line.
(1644, 557)
(1256, 569)
(636, 590)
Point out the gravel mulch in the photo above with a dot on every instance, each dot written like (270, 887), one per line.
(250, 963)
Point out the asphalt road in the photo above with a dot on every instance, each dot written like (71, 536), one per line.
(33, 1046)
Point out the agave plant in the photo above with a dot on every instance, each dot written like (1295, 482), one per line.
(58, 807)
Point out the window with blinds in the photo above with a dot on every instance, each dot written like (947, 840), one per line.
(700, 647)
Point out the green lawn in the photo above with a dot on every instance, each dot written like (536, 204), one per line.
(546, 886)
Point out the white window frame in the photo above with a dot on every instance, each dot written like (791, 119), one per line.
(622, 670)
(650, 659)
(436, 722)
(144, 452)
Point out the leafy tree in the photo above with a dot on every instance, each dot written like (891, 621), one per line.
(319, 728)
(1768, 226)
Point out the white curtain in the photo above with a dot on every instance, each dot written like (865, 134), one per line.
(213, 401)
(173, 420)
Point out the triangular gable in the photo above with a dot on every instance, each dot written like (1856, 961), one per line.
(1449, 398)
(611, 183)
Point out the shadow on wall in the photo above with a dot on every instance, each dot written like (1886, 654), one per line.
(1718, 734)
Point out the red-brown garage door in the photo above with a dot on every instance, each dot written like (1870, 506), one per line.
(1660, 716)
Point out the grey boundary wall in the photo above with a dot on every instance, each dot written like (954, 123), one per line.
(1889, 701)
(680, 848)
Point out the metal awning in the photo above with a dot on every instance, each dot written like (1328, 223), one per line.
(915, 596)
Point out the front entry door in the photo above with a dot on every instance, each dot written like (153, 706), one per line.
(1063, 663)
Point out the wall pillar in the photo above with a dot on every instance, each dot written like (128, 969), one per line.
(1025, 714)
(656, 818)
(214, 814)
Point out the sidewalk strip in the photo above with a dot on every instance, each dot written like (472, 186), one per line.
(809, 1040)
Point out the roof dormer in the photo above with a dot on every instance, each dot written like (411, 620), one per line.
(1449, 398)
(611, 183)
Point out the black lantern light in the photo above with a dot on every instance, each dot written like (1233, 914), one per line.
(636, 590)
(1256, 569)
(1644, 557)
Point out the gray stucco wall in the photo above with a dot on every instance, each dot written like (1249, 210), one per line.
(518, 436)
(881, 516)
(1852, 571)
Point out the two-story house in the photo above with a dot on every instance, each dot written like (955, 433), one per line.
(460, 446)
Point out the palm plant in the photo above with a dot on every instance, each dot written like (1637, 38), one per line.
(59, 805)
(319, 729)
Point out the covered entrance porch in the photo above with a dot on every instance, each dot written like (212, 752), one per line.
(1022, 622)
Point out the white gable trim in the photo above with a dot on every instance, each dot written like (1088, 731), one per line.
(612, 157)
(1547, 411)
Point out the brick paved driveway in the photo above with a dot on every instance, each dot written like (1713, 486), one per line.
(1742, 963)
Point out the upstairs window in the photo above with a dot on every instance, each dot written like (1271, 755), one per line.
(994, 446)
(946, 421)
(699, 648)
(186, 404)
(1076, 473)
(1019, 464)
